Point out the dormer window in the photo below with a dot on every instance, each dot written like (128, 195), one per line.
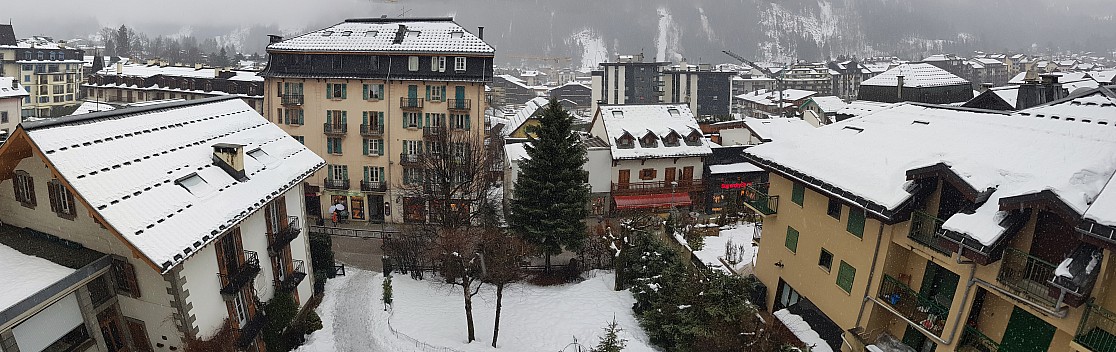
(625, 142)
(672, 139)
(693, 139)
(649, 141)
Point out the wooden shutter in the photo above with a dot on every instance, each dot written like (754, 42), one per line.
(283, 211)
(73, 206)
(268, 219)
(798, 193)
(427, 93)
(329, 90)
(427, 115)
(467, 123)
(365, 91)
(845, 276)
(856, 222)
(668, 175)
(344, 90)
(126, 277)
(52, 193)
(365, 145)
(792, 239)
(380, 118)
(16, 181)
(139, 335)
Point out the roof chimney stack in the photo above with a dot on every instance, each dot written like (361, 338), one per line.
(15, 83)
(273, 38)
(119, 67)
(480, 32)
(899, 87)
(230, 157)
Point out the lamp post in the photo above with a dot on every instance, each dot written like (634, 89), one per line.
(673, 187)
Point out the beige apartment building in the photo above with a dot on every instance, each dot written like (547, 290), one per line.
(945, 230)
(49, 71)
(369, 95)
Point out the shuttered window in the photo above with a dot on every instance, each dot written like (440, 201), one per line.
(124, 275)
(24, 188)
(845, 276)
(798, 193)
(792, 239)
(61, 200)
(856, 222)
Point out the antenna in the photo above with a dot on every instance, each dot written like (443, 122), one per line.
(403, 10)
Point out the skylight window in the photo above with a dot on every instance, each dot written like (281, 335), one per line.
(261, 156)
(412, 34)
(618, 114)
(371, 33)
(674, 112)
(346, 33)
(327, 33)
(457, 35)
(194, 184)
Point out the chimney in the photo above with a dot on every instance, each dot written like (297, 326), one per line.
(197, 67)
(480, 32)
(1052, 87)
(119, 67)
(273, 38)
(15, 84)
(899, 87)
(230, 157)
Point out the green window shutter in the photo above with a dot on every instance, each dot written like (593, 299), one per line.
(301, 117)
(845, 276)
(467, 122)
(364, 118)
(798, 193)
(427, 93)
(364, 91)
(286, 116)
(380, 147)
(329, 171)
(344, 121)
(329, 90)
(380, 91)
(856, 222)
(427, 119)
(365, 145)
(444, 93)
(380, 118)
(366, 169)
(792, 239)
(344, 90)
(329, 116)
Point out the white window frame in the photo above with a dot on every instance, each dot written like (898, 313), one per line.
(340, 170)
(412, 147)
(459, 63)
(413, 63)
(437, 93)
(373, 147)
(457, 121)
(241, 306)
(412, 119)
(374, 174)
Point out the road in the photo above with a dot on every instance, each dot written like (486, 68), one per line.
(358, 252)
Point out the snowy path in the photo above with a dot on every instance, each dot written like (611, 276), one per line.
(353, 312)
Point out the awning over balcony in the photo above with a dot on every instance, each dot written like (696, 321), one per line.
(652, 201)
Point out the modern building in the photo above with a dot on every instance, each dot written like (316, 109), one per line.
(510, 90)
(50, 71)
(12, 95)
(808, 76)
(847, 76)
(988, 72)
(134, 83)
(708, 93)
(579, 95)
(946, 229)
(767, 104)
(629, 80)
(920, 82)
(173, 222)
(411, 78)
(747, 83)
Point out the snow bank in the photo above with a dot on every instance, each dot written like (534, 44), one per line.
(714, 249)
(803, 331)
(24, 275)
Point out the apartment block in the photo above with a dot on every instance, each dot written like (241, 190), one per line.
(49, 70)
(136, 83)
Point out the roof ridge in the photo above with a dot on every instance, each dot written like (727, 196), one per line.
(67, 120)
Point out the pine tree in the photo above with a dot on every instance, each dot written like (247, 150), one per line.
(611, 342)
(551, 192)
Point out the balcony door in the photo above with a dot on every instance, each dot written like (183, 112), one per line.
(622, 179)
(939, 284)
(669, 176)
(687, 175)
(1026, 333)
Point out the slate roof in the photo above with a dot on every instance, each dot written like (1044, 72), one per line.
(915, 76)
(389, 35)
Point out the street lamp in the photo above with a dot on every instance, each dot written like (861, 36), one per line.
(673, 187)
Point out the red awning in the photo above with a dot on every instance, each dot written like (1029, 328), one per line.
(652, 201)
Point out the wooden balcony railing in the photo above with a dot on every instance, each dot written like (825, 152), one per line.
(924, 231)
(283, 236)
(410, 103)
(243, 274)
(913, 305)
(367, 130)
(334, 129)
(656, 187)
(335, 183)
(459, 104)
(1028, 275)
(756, 197)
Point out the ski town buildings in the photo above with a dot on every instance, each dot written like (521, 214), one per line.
(135, 83)
(12, 95)
(139, 229)
(947, 228)
(411, 80)
(919, 82)
(49, 71)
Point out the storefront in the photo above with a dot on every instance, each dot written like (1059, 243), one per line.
(359, 206)
(727, 184)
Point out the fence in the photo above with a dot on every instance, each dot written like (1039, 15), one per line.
(419, 345)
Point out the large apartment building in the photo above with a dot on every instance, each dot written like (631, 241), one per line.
(946, 229)
(49, 71)
(136, 83)
(706, 91)
(629, 80)
(402, 80)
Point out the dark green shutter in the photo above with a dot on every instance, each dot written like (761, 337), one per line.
(344, 90)
(364, 118)
(427, 93)
(792, 239)
(380, 147)
(467, 122)
(365, 145)
(364, 91)
(845, 276)
(366, 179)
(380, 118)
(856, 222)
(344, 121)
(798, 193)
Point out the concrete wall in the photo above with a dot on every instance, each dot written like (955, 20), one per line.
(599, 165)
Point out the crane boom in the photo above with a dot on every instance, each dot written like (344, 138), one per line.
(778, 80)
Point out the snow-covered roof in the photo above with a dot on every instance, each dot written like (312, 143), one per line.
(778, 128)
(1093, 106)
(8, 91)
(769, 98)
(391, 35)
(734, 168)
(829, 103)
(915, 76)
(1103, 209)
(24, 275)
(1009, 94)
(573, 83)
(516, 152)
(989, 62)
(660, 120)
(1063, 77)
(89, 106)
(137, 70)
(802, 330)
(126, 165)
(522, 115)
(858, 108)
(1013, 155)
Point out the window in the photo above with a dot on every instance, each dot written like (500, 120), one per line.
(845, 276)
(437, 93)
(333, 145)
(194, 184)
(412, 147)
(792, 239)
(459, 64)
(373, 91)
(825, 260)
(294, 117)
(435, 120)
(438, 64)
(337, 172)
(834, 209)
(412, 119)
(3, 117)
(413, 63)
(856, 222)
(24, 188)
(373, 147)
(647, 174)
(336, 90)
(241, 308)
(460, 121)
(649, 141)
(139, 334)
(625, 142)
(373, 174)
(412, 176)
(798, 193)
(124, 275)
(300, 139)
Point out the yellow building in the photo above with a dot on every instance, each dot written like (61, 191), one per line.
(48, 70)
(401, 80)
(946, 229)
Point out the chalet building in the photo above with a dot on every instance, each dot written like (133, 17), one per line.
(578, 95)
(412, 79)
(12, 95)
(49, 71)
(917, 235)
(170, 221)
(598, 164)
(628, 81)
(707, 92)
(136, 83)
(923, 83)
(847, 76)
(510, 90)
(767, 104)
(820, 111)
(657, 154)
(808, 76)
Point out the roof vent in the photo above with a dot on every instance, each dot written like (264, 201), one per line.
(230, 157)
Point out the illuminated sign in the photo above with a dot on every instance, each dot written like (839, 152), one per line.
(735, 185)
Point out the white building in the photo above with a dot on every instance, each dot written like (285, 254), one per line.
(198, 206)
(11, 101)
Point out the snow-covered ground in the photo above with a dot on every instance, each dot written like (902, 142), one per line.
(741, 237)
(533, 318)
(803, 331)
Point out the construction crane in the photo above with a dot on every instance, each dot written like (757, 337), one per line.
(778, 79)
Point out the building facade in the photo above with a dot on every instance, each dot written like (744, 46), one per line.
(630, 80)
(919, 82)
(12, 95)
(807, 76)
(707, 92)
(410, 80)
(50, 71)
(135, 83)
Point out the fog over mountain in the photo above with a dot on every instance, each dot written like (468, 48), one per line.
(588, 31)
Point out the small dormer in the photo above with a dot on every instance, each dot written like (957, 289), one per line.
(649, 140)
(694, 138)
(672, 139)
(625, 141)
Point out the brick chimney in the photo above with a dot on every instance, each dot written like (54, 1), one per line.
(230, 157)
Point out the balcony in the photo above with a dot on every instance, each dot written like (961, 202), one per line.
(410, 103)
(912, 305)
(756, 197)
(924, 231)
(284, 235)
(459, 105)
(248, 333)
(242, 275)
(335, 129)
(432, 132)
(293, 278)
(410, 159)
(336, 183)
(367, 186)
(291, 99)
(1095, 331)
(1028, 275)
(367, 130)
(637, 188)
(972, 340)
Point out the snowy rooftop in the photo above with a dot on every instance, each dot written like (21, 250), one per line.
(1009, 94)
(516, 152)
(830, 103)
(127, 165)
(859, 108)
(522, 115)
(24, 275)
(734, 168)
(775, 129)
(394, 35)
(766, 97)
(8, 91)
(89, 106)
(654, 121)
(136, 70)
(1062, 77)
(1014, 155)
(1093, 106)
(915, 76)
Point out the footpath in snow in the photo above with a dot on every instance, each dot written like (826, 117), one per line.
(427, 312)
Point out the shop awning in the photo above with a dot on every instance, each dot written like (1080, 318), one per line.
(652, 201)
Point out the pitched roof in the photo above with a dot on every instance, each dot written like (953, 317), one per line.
(7, 90)
(776, 129)
(389, 35)
(125, 164)
(766, 97)
(7, 35)
(915, 76)
(522, 115)
(1092, 106)
(137, 70)
(659, 120)
(829, 103)
(858, 108)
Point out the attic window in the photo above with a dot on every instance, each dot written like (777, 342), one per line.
(625, 142)
(920, 122)
(618, 114)
(371, 33)
(457, 34)
(194, 184)
(327, 33)
(671, 140)
(674, 112)
(649, 141)
(261, 156)
(693, 139)
(412, 34)
(346, 33)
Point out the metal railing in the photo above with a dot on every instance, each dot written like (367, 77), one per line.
(656, 187)
(241, 275)
(285, 235)
(410, 159)
(291, 99)
(1027, 275)
(1096, 329)
(459, 104)
(756, 197)
(974, 340)
(334, 128)
(335, 183)
(924, 231)
(293, 278)
(248, 333)
(410, 103)
(373, 186)
(913, 305)
(432, 132)
(371, 130)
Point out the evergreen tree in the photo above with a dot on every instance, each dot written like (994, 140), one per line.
(611, 342)
(551, 192)
(387, 291)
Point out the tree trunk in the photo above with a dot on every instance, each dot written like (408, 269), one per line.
(547, 269)
(499, 304)
(469, 310)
